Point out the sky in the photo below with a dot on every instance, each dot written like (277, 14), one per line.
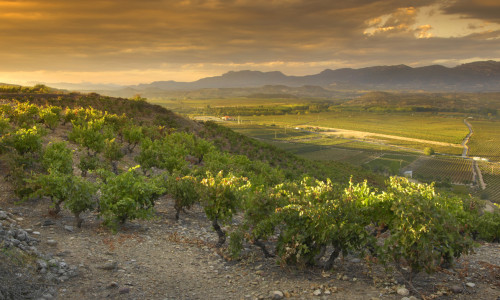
(131, 41)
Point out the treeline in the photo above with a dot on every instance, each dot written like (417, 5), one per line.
(388, 109)
(285, 209)
(276, 110)
(266, 110)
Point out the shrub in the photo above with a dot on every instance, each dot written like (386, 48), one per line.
(113, 153)
(57, 186)
(220, 200)
(81, 198)
(58, 157)
(89, 163)
(487, 227)
(51, 116)
(425, 230)
(318, 215)
(184, 190)
(26, 140)
(128, 196)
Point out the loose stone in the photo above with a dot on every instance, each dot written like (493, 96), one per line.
(48, 223)
(51, 242)
(403, 291)
(109, 266)
(276, 295)
(456, 289)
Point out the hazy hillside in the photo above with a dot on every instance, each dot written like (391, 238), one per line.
(483, 76)
(434, 101)
(477, 76)
(266, 91)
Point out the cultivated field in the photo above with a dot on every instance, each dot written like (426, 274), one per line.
(485, 142)
(423, 126)
(452, 170)
(491, 177)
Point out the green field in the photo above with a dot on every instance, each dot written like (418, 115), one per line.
(424, 126)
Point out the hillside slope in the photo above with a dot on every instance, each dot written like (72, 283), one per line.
(131, 238)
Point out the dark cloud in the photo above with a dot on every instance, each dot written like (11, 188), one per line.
(129, 34)
(487, 10)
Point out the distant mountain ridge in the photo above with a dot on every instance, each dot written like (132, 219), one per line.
(481, 76)
(476, 76)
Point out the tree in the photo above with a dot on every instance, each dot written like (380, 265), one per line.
(428, 151)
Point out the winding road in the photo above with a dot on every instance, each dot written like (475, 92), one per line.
(466, 139)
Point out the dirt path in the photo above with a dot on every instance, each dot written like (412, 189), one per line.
(477, 175)
(466, 139)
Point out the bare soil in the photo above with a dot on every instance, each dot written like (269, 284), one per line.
(167, 259)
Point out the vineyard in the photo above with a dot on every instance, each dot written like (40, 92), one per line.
(390, 164)
(317, 146)
(95, 162)
(491, 177)
(485, 140)
(371, 152)
(418, 125)
(452, 170)
(418, 146)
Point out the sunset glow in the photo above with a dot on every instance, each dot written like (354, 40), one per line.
(129, 42)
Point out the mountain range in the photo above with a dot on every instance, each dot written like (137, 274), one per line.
(481, 76)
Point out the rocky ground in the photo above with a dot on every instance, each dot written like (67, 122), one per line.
(165, 259)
